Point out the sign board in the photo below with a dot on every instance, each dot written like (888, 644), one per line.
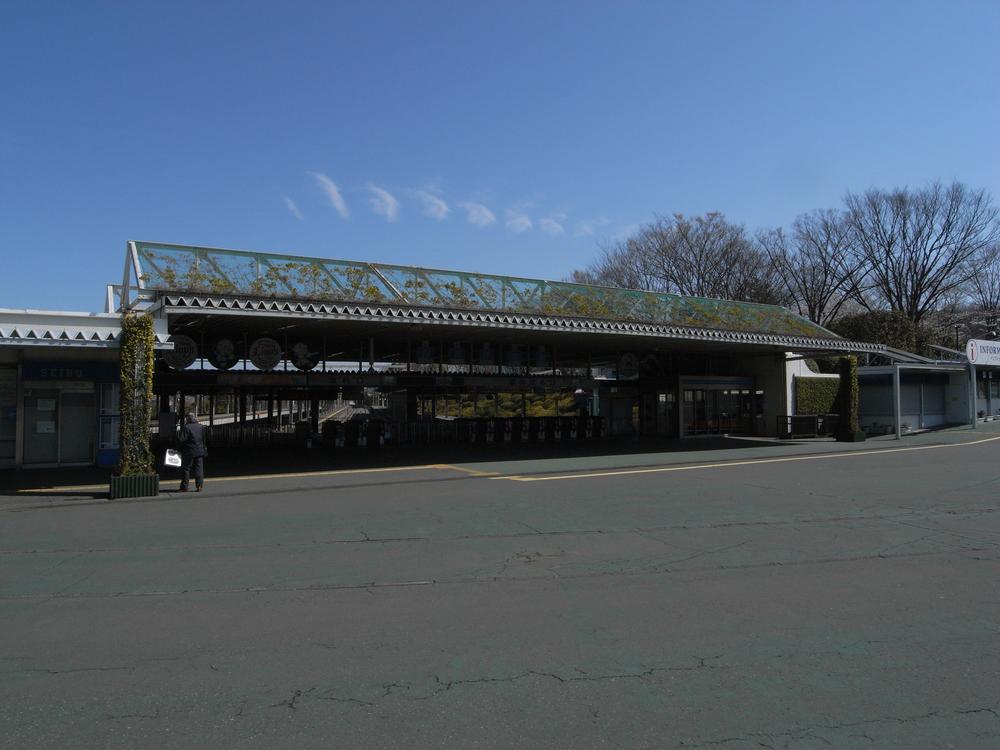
(983, 353)
(222, 354)
(265, 353)
(43, 427)
(628, 367)
(80, 371)
(46, 404)
(303, 356)
(184, 353)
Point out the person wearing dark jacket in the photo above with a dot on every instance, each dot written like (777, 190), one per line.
(193, 452)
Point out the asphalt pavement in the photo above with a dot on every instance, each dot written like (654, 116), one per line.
(736, 595)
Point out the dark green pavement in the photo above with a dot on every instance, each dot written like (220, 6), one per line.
(717, 598)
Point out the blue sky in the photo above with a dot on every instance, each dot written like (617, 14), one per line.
(510, 137)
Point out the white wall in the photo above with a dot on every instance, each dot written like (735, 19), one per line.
(956, 397)
(876, 404)
(770, 375)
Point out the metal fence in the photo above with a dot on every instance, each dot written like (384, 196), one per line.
(807, 425)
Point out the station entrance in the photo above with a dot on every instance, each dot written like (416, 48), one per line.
(348, 354)
(563, 395)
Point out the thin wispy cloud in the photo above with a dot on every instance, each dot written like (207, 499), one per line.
(588, 227)
(293, 209)
(332, 192)
(433, 205)
(383, 203)
(626, 231)
(478, 214)
(518, 221)
(552, 224)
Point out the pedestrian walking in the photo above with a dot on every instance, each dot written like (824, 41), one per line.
(193, 452)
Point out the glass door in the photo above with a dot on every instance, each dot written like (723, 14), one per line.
(666, 414)
(78, 428)
(41, 425)
(718, 411)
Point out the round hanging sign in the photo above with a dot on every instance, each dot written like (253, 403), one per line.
(265, 353)
(302, 356)
(628, 367)
(222, 354)
(184, 353)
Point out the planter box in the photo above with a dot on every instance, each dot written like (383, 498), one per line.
(142, 485)
(851, 437)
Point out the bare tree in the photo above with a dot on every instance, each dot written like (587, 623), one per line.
(917, 244)
(815, 264)
(624, 264)
(984, 283)
(703, 256)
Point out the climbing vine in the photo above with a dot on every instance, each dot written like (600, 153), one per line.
(847, 398)
(136, 362)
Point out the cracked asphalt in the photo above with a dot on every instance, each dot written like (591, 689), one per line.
(715, 599)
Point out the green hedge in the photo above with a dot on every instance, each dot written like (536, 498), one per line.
(816, 395)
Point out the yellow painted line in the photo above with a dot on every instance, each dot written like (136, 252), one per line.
(473, 472)
(80, 487)
(252, 477)
(693, 467)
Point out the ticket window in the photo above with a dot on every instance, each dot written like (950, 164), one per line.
(41, 426)
(59, 427)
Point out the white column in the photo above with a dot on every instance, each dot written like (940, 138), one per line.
(972, 394)
(896, 402)
(920, 422)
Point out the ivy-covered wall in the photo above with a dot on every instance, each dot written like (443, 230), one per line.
(847, 398)
(816, 395)
(136, 394)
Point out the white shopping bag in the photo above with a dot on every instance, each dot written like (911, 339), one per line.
(172, 458)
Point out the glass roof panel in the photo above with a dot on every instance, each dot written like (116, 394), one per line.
(183, 268)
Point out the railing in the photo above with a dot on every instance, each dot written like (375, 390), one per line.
(792, 426)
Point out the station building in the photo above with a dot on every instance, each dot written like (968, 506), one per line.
(421, 355)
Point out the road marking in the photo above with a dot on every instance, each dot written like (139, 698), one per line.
(723, 465)
(473, 472)
(518, 478)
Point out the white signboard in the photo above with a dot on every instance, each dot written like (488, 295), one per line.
(983, 353)
(45, 426)
(46, 404)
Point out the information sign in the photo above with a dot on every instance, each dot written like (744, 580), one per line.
(983, 353)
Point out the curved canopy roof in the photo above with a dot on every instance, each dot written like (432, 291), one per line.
(189, 269)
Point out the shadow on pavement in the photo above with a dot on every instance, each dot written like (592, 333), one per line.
(236, 462)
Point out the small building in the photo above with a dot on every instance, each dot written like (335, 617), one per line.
(59, 387)
(907, 396)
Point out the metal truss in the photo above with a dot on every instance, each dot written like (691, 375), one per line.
(174, 269)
